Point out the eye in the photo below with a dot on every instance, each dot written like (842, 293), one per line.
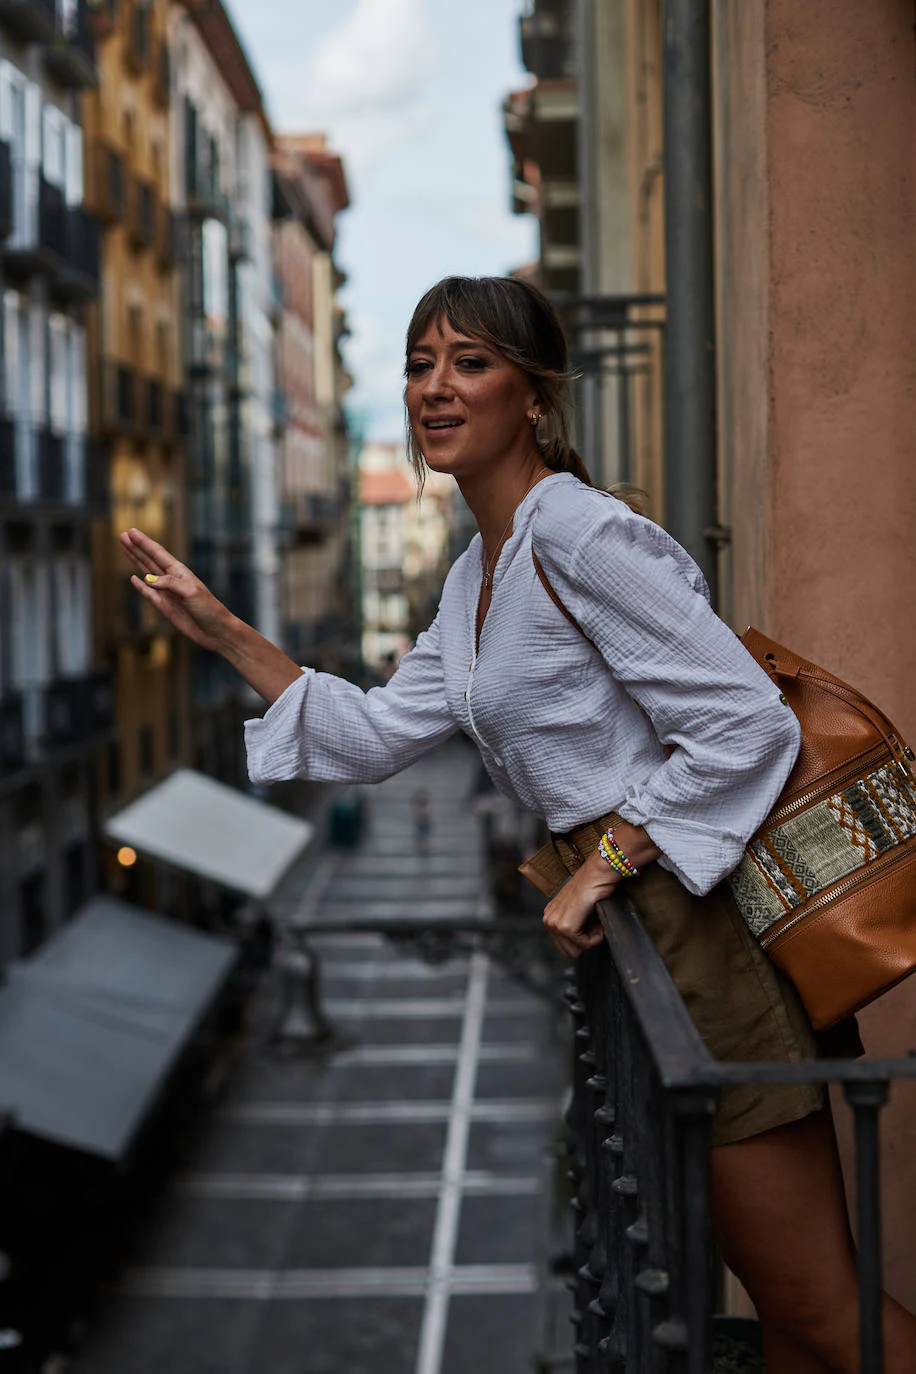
(416, 366)
(472, 363)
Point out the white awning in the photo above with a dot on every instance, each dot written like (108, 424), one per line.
(213, 831)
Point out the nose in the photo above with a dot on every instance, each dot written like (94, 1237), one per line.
(437, 383)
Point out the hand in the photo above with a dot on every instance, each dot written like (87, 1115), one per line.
(570, 917)
(175, 592)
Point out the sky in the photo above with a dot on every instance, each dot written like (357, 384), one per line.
(409, 92)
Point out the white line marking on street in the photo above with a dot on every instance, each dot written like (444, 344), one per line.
(270, 1285)
(367, 1113)
(346, 1187)
(433, 1054)
(408, 1009)
(445, 1233)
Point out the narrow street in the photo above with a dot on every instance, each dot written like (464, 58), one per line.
(385, 1208)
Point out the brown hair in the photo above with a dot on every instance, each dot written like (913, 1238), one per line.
(517, 319)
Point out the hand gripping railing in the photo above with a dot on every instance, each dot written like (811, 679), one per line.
(644, 1093)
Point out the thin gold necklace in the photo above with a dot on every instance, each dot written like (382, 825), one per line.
(490, 562)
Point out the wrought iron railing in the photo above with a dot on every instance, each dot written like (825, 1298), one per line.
(644, 1094)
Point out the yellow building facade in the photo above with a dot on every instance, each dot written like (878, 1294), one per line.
(137, 404)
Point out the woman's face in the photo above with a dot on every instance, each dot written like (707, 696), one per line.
(468, 405)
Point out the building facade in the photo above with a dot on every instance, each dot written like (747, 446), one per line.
(314, 454)
(55, 696)
(404, 550)
(138, 403)
(221, 186)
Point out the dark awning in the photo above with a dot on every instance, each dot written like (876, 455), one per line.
(93, 1023)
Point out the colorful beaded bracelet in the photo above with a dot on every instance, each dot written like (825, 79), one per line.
(611, 852)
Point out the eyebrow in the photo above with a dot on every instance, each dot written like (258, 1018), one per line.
(454, 346)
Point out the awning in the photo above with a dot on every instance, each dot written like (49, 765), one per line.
(92, 1025)
(213, 831)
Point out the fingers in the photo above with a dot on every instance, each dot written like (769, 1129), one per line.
(148, 548)
(153, 589)
(570, 940)
(138, 559)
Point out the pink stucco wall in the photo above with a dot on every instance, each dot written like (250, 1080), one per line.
(826, 444)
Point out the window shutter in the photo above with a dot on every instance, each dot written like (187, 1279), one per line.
(73, 151)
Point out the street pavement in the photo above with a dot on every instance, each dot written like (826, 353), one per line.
(386, 1206)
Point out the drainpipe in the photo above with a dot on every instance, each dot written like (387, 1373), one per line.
(690, 343)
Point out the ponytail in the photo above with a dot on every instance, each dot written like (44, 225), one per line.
(560, 456)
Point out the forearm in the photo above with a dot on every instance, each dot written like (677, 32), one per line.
(264, 667)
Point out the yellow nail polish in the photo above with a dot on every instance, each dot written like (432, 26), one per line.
(151, 578)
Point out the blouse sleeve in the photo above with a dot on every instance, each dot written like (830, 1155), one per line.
(328, 730)
(643, 602)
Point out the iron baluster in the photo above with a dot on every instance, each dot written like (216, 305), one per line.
(866, 1100)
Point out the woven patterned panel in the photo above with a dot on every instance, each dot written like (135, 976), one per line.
(831, 839)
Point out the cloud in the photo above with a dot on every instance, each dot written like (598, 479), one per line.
(378, 59)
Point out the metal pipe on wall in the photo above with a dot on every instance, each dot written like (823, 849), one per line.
(690, 358)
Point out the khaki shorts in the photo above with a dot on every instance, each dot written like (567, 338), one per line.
(742, 1006)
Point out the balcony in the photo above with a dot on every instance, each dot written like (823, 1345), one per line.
(138, 49)
(12, 736)
(141, 220)
(38, 242)
(109, 199)
(204, 197)
(8, 483)
(166, 237)
(71, 59)
(155, 409)
(77, 709)
(548, 51)
(120, 409)
(31, 21)
(52, 468)
(162, 89)
(6, 190)
(279, 412)
(239, 238)
(78, 275)
(97, 494)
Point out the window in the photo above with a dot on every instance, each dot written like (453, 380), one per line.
(113, 759)
(30, 614)
(32, 915)
(58, 361)
(72, 614)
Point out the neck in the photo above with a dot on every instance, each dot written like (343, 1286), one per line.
(494, 498)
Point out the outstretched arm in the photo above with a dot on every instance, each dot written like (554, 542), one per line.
(187, 604)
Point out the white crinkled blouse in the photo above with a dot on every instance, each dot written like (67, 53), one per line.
(672, 724)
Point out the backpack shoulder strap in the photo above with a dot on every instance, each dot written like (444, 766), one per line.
(538, 568)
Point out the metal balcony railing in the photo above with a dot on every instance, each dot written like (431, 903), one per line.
(77, 277)
(12, 735)
(109, 183)
(138, 48)
(142, 215)
(31, 21)
(71, 57)
(6, 189)
(8, 482)
(644, 1094)
(52, 467)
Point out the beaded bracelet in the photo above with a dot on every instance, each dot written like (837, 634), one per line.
(611, 852)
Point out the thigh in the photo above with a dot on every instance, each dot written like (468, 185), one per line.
(742, 1006)
(781, 1224)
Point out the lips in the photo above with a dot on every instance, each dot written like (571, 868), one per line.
(439, 423)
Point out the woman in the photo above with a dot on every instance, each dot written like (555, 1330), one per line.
(649, 741)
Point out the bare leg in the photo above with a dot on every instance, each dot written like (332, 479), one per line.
(781, 1223)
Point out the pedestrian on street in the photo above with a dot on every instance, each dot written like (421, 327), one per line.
(422, 820)
(653, 750)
